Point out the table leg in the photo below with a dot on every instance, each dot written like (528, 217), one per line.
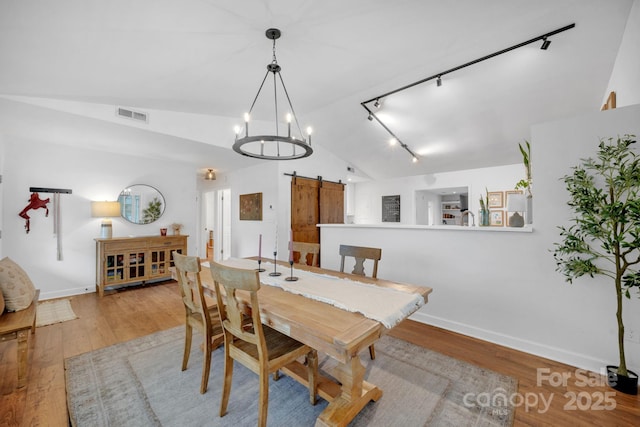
(355, 394)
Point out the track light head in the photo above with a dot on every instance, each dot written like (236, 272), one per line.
(377, 103)
(545, 43)
(370, 118)
(439, 81)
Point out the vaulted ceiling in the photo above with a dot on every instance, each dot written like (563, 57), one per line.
(207, 57)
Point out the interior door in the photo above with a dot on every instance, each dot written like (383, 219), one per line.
(314, 202)
(331, 203)
(305, 209)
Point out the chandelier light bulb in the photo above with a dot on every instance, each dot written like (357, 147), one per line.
(288, 117)
(237, 130)
(393, 141)
(415, 159)
(246, 117)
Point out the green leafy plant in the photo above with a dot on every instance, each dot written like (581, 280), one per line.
(484, 202)
(153, 211)
(604, 237)
(526, 160)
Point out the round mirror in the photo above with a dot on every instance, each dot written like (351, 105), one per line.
(141, 204)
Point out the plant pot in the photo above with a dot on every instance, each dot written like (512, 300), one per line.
(624, 384)
(483, 217)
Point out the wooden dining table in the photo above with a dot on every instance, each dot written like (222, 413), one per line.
(338, 333)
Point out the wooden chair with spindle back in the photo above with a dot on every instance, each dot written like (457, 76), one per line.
(198, 314)
(305, 249)
(361, 253)
(258, 347)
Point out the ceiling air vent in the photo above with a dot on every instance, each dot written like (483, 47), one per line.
(130, 114)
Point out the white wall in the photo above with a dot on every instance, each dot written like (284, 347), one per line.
(269, 179)
(502, 286)
(368, 195)
(624, 78)
(91, 175)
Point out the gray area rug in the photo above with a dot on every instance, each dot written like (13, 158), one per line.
(139, 383)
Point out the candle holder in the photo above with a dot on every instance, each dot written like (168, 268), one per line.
(275, 273)
(259, 269)
(291, 278)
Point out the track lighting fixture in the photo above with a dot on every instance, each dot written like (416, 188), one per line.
(545, 43)
(438, 77)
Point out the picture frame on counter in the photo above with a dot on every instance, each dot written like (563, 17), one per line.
(496, 218)
(495, 199)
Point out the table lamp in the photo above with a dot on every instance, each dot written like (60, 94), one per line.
(105, 210)
(516, 203)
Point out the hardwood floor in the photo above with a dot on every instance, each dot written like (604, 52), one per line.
(121, 316)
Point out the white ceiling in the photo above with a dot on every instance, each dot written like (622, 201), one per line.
(209, 56)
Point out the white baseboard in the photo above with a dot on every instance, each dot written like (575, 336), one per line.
(542, 350)
(66, 293)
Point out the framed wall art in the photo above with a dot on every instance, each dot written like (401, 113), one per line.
(496, 218)
(496, 199)
(391, 208)
(251, 207)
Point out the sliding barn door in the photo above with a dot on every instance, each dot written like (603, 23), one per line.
(314, 202)
(331, 203)
(305, 209)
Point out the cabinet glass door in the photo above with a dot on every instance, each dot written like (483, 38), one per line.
(114, 268)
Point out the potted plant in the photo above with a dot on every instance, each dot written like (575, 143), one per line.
(525, 184)
(604, 237)
(176, 227)
(483, 219)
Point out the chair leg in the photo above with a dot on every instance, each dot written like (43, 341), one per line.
(372, 352)
(276, 375)
(312, 367)
(187, 346)
(226, 385)
(263, 406)
(206, 363)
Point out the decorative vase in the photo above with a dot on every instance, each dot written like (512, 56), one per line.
(627, 385)
(483, 217)
(529, 196)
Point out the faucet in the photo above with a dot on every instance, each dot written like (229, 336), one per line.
(473, 218)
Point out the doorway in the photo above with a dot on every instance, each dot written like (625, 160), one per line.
(216, 214)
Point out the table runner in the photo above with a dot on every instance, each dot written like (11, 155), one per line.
(386, 305)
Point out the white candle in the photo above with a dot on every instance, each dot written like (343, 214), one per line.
(291, 246)
(260, 248)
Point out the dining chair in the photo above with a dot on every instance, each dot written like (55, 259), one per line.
(305, 249)
(258, 347)
(198, 314)
(361, 253)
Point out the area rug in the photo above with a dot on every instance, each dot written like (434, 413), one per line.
(54, 311)
(139, 383)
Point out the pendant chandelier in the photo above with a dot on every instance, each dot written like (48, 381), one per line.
(276, 146)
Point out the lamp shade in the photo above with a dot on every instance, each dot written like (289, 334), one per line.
(516, 203)
(105, 209)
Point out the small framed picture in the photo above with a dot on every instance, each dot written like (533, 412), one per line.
(496, 218)
(251, 207)
(496, 199)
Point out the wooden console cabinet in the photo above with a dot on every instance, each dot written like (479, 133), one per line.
(122, 260)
